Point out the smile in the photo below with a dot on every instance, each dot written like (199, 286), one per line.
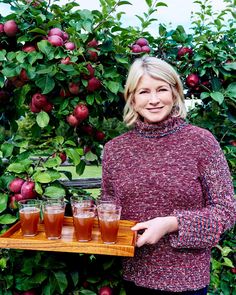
(153, 110)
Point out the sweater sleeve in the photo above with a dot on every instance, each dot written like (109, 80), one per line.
(107, 192)
(203, 228)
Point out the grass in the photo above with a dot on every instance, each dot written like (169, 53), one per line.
(89, 172)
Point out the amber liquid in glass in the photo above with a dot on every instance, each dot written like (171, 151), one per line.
(29, 219)
(53, 221)
(109, 230)
(83, 223)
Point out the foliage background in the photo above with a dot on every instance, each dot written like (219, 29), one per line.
(25, 134)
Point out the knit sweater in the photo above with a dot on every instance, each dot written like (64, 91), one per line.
(171, 168)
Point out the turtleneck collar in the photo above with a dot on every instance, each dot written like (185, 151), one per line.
(168, 126)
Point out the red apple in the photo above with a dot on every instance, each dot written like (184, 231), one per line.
(146, 49)
(23, 75)
(16, 184)
(30, 292)
(33, 108)
(93, 43)
(184, 51)
(88, 129)
(66, 60)
(39, 100)
(55, 40)
(92, 55)
(233, 142)
(1, 28)
(142, 42)
(65, 36)
(136, 48)
(27, 190)
(91, 72)
(28, 47)
(99, 135)
(10, 28)
(48, 107)
(70, 45)
(74, 88)
(81, 112)
(56, 32)
(72, 120)
(105, 290)
(93, 84)
(64, 93)
(233, 270)
(192, 80)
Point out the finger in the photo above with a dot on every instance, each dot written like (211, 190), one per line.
(140, 241)
(138, 226)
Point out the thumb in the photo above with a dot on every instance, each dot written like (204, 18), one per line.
(139, 226)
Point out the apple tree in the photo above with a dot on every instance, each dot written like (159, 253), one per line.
(62, 76)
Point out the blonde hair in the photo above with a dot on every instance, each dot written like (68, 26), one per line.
(157, 69)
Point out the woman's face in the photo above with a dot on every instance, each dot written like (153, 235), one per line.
(153, 99)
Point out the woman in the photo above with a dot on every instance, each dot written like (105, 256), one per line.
(173, 179)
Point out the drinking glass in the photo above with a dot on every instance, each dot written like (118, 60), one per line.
(83, 217)
(53, 217)
(109, 218)
(29, 211)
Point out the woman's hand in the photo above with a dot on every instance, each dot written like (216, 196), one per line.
(155, 229)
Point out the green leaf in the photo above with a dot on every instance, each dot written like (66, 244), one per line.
(42, 177)
(87, 292)
(90, 98)
(42, 119)
(217, 96)
(45, 47)
(59, 140)
(3, 202)
(18, 167)
(7, 149)
(38, 188)
(7, 219)
(231, 89)
(149, 3)
(161, 4)
(204, 95)
(113, 86)
(20, 57)
(90, 156)
(74, 155)
(52, 162)
(80, 168)
(3, 263)
(227, 262)
(61, 281)
(46, 83)
(2, 54)
(54, 192)
(230, 66)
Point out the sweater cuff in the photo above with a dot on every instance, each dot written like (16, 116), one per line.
(195, 230)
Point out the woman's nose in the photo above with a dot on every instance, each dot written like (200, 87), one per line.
(154, 98)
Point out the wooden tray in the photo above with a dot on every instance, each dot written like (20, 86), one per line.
(125, 245)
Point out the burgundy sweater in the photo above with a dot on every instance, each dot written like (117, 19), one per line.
(171, 168)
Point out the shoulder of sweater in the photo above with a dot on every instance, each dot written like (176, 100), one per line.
(119, 140)
(201, 135)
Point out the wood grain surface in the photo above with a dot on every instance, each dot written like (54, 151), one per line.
(125, 245)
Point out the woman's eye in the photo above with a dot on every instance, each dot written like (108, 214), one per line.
(162, 89)
(142, 92)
